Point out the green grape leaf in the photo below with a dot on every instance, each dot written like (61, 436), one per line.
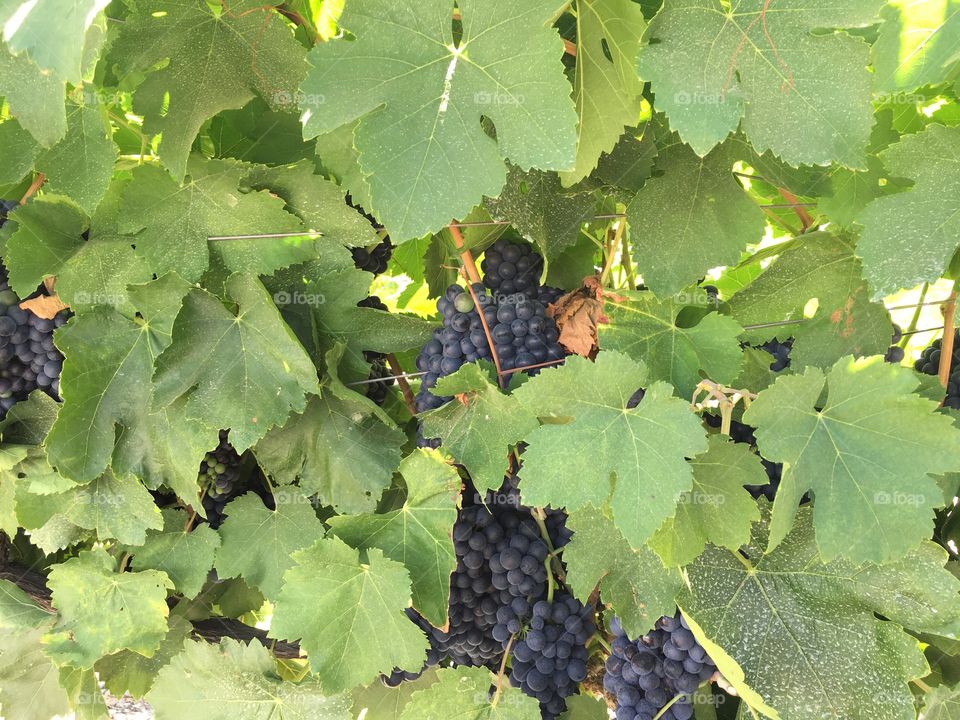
(48, 232)
(269, 373)
(419, 95)
(585, 707)
(343, 448)
(199, 62)
(851, 191)
(865, 455)
(18, 610)
(796, 635)
(692, 218)
(637, 457)
(633, 582)
(52, 32)
(130, 672)
(942, 703)
(917, 45)
(84, 693)
(646, 329)
(29, 421)
(35, 98)
(19, 150)
(105, 381)
(910, 237)
(255, 133)
(630, 163)
(98, 274)
(542, 211)
(417, 534)
(81, 164)
(371, 634)
(233, 681)
(172, 223)
(102, 611)
(770, 67)
(718, 510)
(256, 543)
(29, 681)
(480, 426)
(186, 557)
(318, 202)
(464, 693)
(607, 88)
(379, 702)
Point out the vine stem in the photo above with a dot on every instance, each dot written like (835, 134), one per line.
(37, 183)
(502, 670)
(666, 707)
(395, 368)
(946, 349)
(918, 311)
(554, 569)
(922, 685)
(612, 245)
(602, 642)
(465, 255)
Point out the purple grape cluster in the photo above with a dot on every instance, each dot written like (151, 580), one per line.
(28, 357)
(379, 369)
(512, 268)
(929, 364)
(646, 674)
(221, 477)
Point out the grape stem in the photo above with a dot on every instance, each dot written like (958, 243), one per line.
(502, 670)
(395, 368)
(666, 707)
(465, 255)
(611, 250)
(602, 642)
(922, 685)
(551, 563)
(37, 183)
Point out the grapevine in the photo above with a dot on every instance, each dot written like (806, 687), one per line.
(391, 360)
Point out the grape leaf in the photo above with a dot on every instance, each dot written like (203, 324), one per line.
(585, 707)
(18, 610)
(692, 218)
(646, 329)
(607, 88)
(102, 611)
(81, 164)
(269, 373)
(172, 223)
(233, 681)
(18, 149)
(52, 32)
(318, 202)
(942, 703)
(711, 66)
(797, 635)
(84, 693)
(256, 543)
(380, 702)
(350, 615)
(29, 421)
(48, 232)
(112, 507)
(634, 583)
(464, 693)
(917, 45)
(910, 237)
(480, 426)
(343, 448)
(199, 62)
(537, 205)
(418, 534)
(105, 381)
(866, 455)
(637, 456)
(130, 672)
(35, 98)
(186, 557)
(630, 163)
(420, 96)
(29, 681)
(718, 510)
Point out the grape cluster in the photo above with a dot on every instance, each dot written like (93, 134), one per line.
(929, 363)
(379, 369)
(373, 260)
(28, 357)
(549, 653)
(220, 476)
(780, 352)
(512, 268)
(741, 433)
(646, 674)
(895, 353)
